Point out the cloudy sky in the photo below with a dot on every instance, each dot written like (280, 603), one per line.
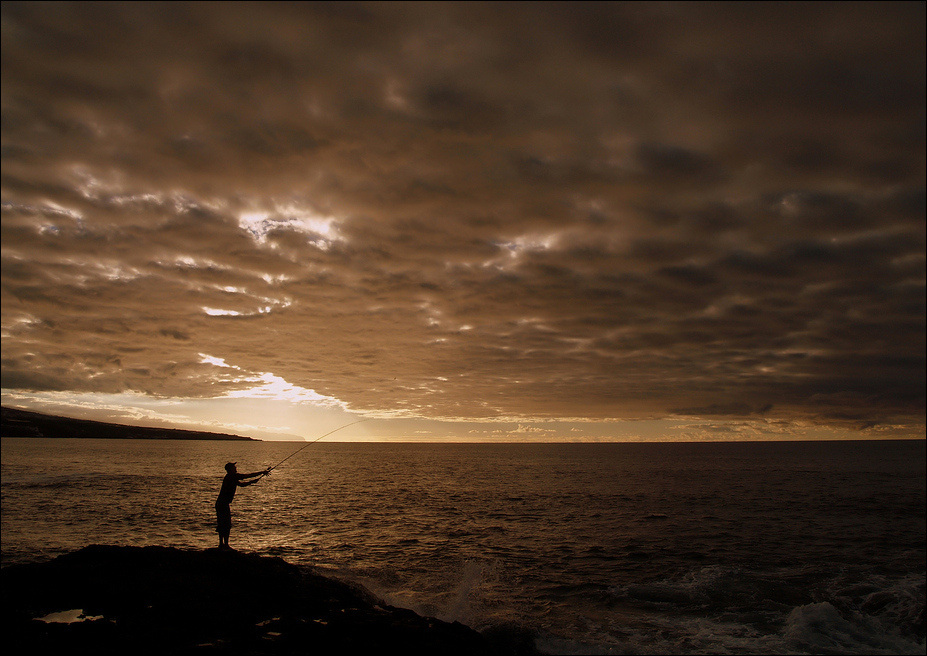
(480, 221)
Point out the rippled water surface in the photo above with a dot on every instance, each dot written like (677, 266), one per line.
(615, 548)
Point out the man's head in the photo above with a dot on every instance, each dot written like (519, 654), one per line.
(230, 467)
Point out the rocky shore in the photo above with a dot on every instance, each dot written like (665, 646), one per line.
(161, 600)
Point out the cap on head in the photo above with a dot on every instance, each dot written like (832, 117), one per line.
(230, 466)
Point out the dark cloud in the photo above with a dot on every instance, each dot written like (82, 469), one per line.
(596, 210)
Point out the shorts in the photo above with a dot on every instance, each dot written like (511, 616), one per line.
(223, 518)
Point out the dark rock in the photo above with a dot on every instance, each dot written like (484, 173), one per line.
(160, 600)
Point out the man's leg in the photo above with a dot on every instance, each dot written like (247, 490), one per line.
(223, 523)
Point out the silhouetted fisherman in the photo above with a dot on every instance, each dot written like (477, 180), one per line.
(232, 481)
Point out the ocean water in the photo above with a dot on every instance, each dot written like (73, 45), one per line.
(588, 548)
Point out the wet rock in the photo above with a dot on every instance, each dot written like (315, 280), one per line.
(161, 600)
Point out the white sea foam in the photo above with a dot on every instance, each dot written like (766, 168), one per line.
(821, 628)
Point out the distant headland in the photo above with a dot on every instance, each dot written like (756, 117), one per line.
(21, 423)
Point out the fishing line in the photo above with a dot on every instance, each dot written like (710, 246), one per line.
(313, 442)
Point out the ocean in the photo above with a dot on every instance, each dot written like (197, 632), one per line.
(736, 548)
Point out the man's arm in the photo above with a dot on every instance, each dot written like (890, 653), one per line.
(244, 477)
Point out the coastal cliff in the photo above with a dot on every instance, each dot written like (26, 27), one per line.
(22, 423)
(162, 600)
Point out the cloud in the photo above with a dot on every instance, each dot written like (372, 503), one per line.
(610, 211)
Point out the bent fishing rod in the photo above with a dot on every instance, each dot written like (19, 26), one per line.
(270, 469)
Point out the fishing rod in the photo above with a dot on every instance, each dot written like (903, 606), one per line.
(270, 469)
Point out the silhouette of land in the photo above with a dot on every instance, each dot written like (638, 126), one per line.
(161, 600)
(21, 423)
